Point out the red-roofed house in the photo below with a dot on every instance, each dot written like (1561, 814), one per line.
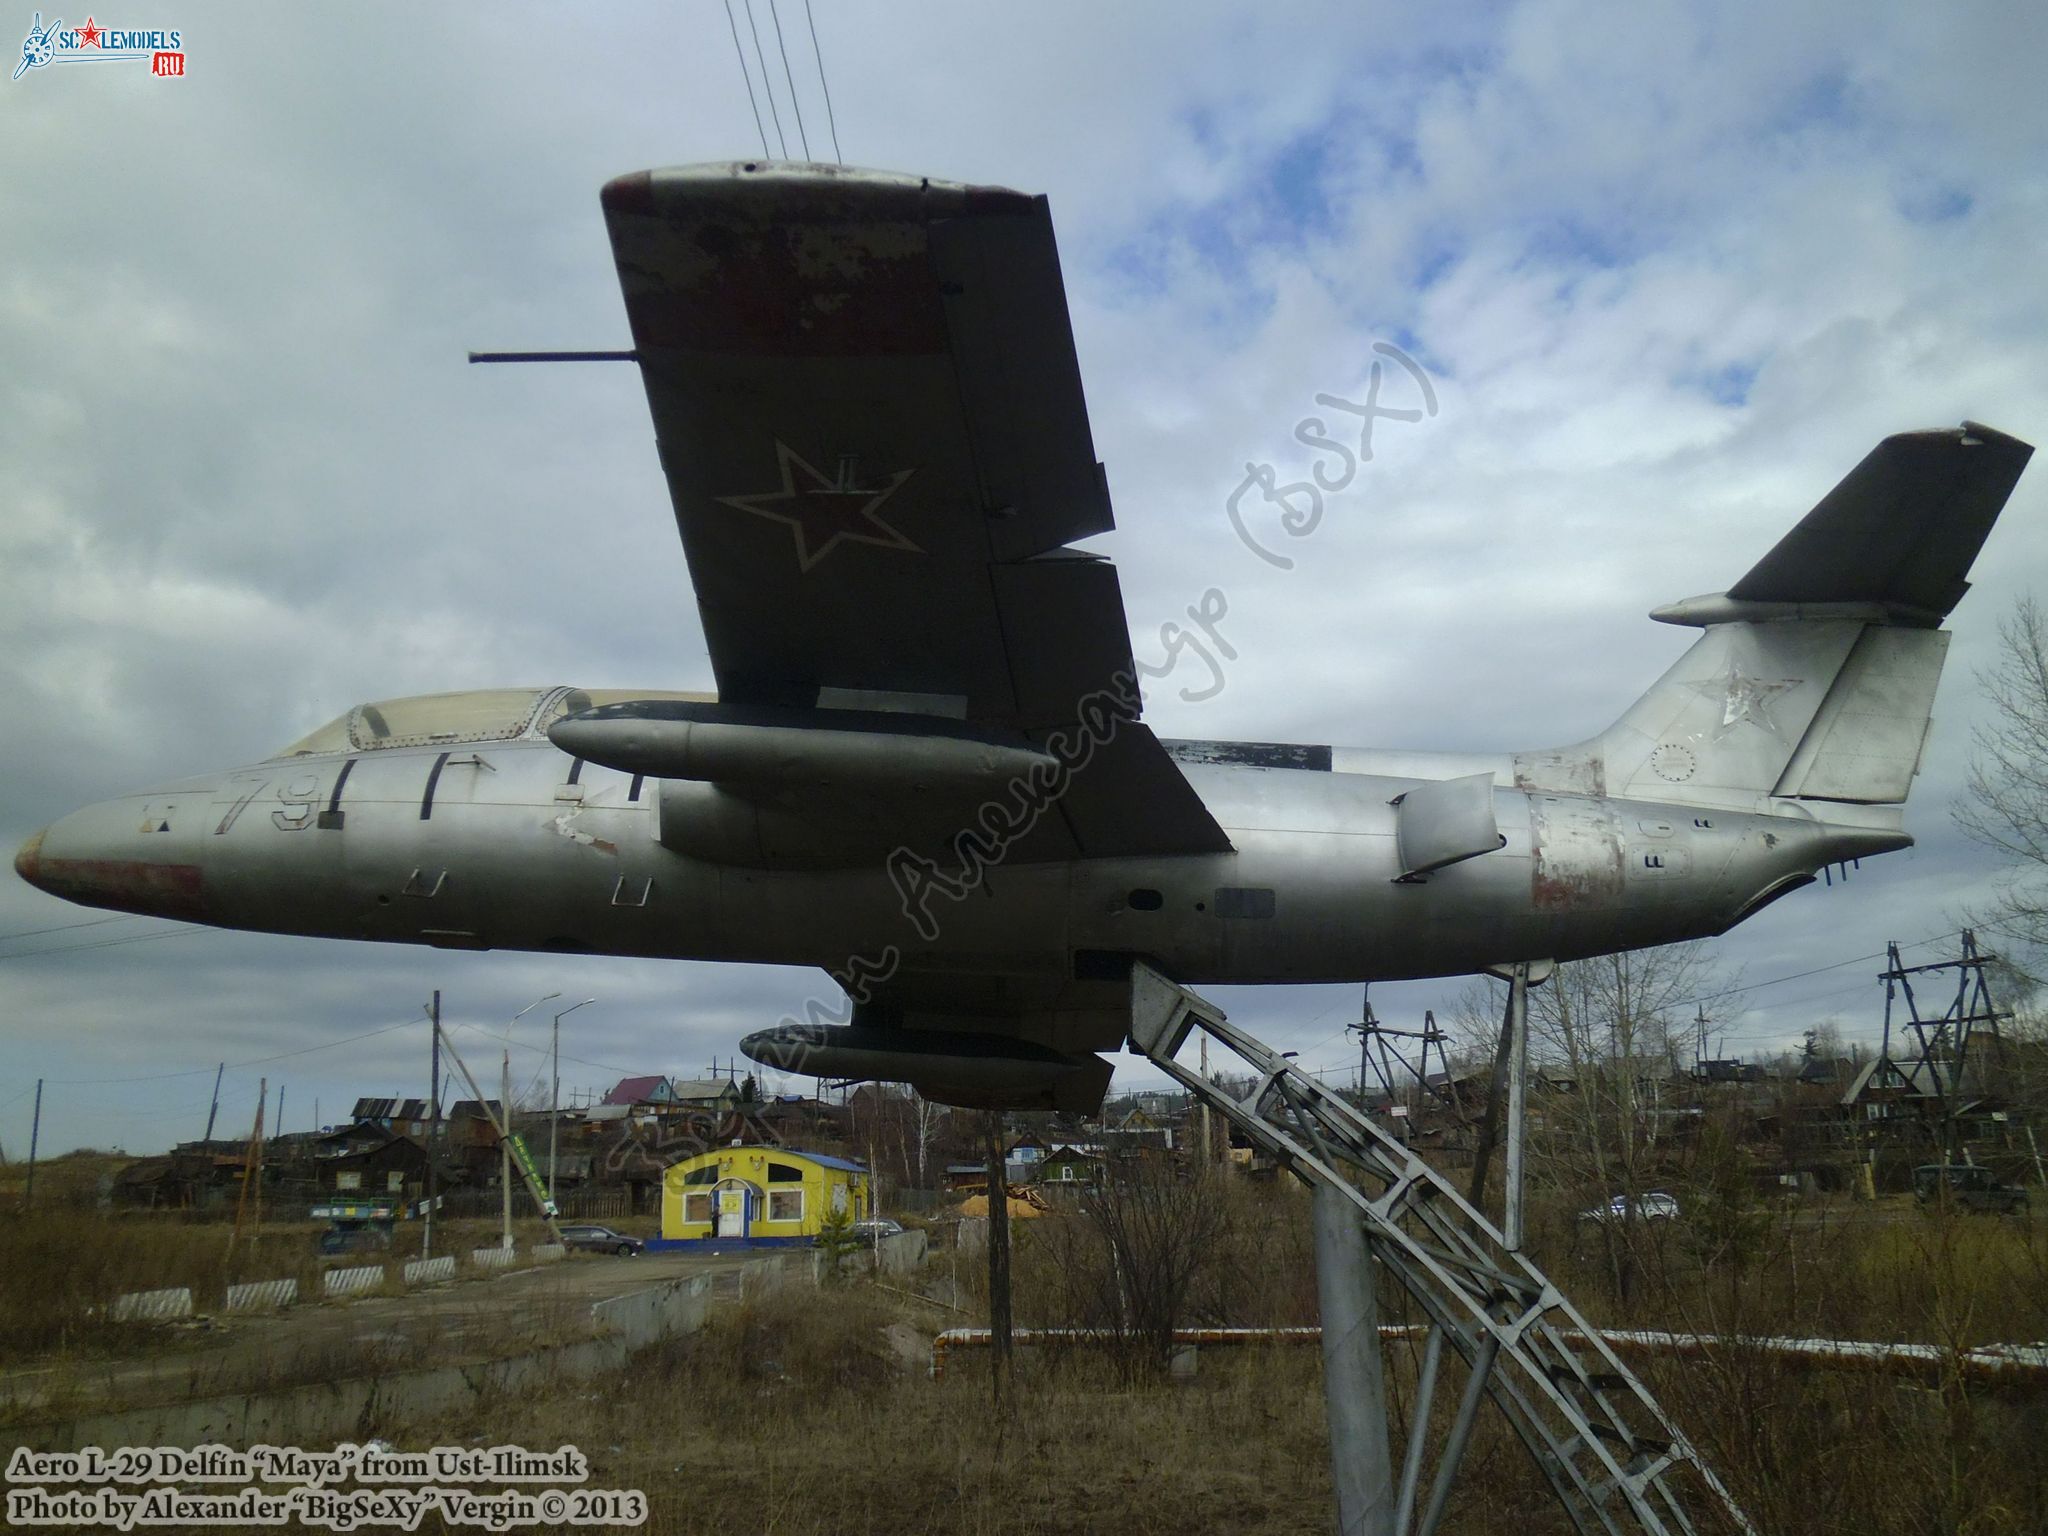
(652, 1089)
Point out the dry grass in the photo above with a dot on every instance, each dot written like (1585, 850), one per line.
(791, 1416)
(806, 1412)
(59, 1270)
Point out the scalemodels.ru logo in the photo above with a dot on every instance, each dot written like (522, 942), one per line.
(161, 50)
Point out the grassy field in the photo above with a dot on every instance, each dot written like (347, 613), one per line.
(804, 1415)
(60, 1268)
(806, 1411)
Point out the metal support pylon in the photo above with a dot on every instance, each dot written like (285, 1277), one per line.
(1613, 1458)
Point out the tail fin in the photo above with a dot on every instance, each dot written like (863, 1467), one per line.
(1816, 676)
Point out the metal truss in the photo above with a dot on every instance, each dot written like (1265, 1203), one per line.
(1943, 1048)
(1613, 1458)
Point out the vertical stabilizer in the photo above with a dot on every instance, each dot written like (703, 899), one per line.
(1816, 674)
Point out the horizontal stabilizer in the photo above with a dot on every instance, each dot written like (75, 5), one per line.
(1900, 530)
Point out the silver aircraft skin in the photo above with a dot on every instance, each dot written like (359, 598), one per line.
(950, 819)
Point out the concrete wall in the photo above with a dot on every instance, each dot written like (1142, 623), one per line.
(899, 1254)
(328, 1413)
(262, 1296)
(903, 1252)
(354, 1282)
(152, 1306)
(663, 1311)
(430, 1271)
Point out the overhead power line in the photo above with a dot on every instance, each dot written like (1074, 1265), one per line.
(767, 84)
(252, 1061)
(795, 105)
(1818, 970)
(748, 76)
(133, 938)
(818, 54)
(90, 922)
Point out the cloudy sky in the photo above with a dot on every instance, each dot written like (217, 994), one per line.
(1672, 270)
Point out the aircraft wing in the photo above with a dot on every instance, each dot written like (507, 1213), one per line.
(870, 415)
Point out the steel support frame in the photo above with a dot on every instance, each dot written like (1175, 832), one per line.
(1611, 1455)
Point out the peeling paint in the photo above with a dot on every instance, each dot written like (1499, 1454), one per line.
(1568, 771)
(1576, 856)
(124, 885)
(565, 825)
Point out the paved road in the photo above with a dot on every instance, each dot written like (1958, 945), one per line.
(471, 1319)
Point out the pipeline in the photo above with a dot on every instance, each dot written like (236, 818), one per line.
(2021, 1366)
(979, 1338)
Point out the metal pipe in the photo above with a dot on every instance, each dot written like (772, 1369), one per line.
(1461, 1431)
(554, 357)
(1418, 1430)
(1518, 1088)
(978, 1338)
(1354, 1384)
(1998, 1366)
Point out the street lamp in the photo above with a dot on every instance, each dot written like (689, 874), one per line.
(555, 1097)
(505, 1118)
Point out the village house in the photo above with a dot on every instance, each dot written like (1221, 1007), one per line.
(396, 1167)
(760, 1196)
(402, 1117)
(1070, 1167)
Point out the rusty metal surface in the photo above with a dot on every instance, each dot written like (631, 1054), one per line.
(1576, 854)
(723, 259)
(120, 885)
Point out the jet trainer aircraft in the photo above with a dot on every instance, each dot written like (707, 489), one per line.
(923, 769)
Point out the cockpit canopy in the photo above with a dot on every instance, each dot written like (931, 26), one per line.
(486, 714)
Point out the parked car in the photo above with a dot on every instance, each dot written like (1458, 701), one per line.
(361, 1238)
(1969, 1187)
(875, 1228)
(586, 1238)
(1655, 1206)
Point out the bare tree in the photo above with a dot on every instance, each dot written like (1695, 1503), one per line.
(1129, 1262)
(2005, 806)
(1617, 1023)
(927, 1120)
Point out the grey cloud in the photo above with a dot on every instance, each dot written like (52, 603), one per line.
(250, 481)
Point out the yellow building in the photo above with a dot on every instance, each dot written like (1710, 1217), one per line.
(759, 1196)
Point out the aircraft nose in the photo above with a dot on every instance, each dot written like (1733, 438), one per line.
(96, 857)
(28, 858)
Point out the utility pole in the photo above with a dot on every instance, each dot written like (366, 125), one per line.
(214, 1108)
(433, 1128)
(35, 1131)
(505, 1143)
(502, 1125)
(998, 1256)
(555, 1097)
(1365, 1028)
(280, 1110)
(252, 1171)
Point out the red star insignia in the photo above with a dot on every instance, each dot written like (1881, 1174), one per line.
(89, 34)
(825, 511)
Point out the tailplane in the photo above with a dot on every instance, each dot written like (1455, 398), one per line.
(1816, 674)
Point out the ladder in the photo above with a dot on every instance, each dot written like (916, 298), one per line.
(1615, 1461)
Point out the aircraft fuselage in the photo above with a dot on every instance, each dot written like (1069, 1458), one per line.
(515, 845)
